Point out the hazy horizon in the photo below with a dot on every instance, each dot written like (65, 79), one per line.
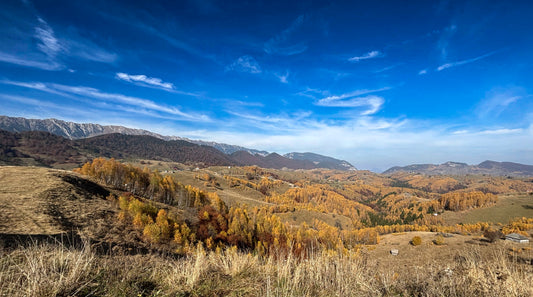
(378, 84)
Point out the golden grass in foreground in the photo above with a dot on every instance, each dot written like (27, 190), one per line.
(52, 270)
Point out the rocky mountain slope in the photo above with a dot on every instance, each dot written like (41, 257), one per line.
(77, 131)
(45, 149)
(71, 130)
(321, 161)
(455, 168)
(272, 160)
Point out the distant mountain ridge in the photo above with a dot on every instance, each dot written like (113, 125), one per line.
(71, 130)
(272, 160)
(109, 141)
(455, 168)
(321, 161)
(45, 149)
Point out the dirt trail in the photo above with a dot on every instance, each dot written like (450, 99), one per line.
(238, 198)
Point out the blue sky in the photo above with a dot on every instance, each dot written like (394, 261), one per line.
(377, 83)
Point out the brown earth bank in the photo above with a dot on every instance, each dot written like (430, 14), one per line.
(49, 205)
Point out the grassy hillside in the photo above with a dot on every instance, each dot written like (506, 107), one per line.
(509, 206)
(45, 201)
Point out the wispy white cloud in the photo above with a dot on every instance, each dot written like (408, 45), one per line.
(388, 68)
(280, 43)
(30, 62)
(372, 102)
(422, 72)
(283, 77)
(245, 64)
(178, 42)
(41, 108)
(369, 55)
(501, 131)
(458, 132)
(257, 118)
(144, 80)
(498, 100)
(48, 43)
(463, 62)
(47, 50)
(35, 86)
(353, 94)
(134, 103)
(43, 46)
(79, 47)
(313, 93)
(274, 123)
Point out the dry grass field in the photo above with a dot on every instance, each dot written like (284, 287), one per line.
(55, 270)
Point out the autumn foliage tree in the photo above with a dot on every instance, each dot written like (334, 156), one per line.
(144, 182)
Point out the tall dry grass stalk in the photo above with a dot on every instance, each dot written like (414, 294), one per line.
(54, 270)
(46, 270)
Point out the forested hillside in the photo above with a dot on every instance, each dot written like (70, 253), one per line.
(374, 206)
(46, 149)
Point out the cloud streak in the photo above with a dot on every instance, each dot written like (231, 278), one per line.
(48, 43)
(29, 62)
(88, 92)
(369, 55)
(151, 30)
(280, 45)
(355, 99)
(372, 102)
(353, 94)
(144, 80)
(498, 100)
(388, 68)
(245, 64)
(46, 50)
(463, 62)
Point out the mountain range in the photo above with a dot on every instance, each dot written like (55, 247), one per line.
(51, 142)
(455, 168)
(59, 141)
(71, 130)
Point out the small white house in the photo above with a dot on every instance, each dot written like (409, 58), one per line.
(394, 252)
(516, 238)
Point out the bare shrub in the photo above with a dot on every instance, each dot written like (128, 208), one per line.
(492, 235)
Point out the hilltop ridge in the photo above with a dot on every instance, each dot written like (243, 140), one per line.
(456, 168)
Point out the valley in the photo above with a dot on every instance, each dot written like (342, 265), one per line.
(217, 222)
